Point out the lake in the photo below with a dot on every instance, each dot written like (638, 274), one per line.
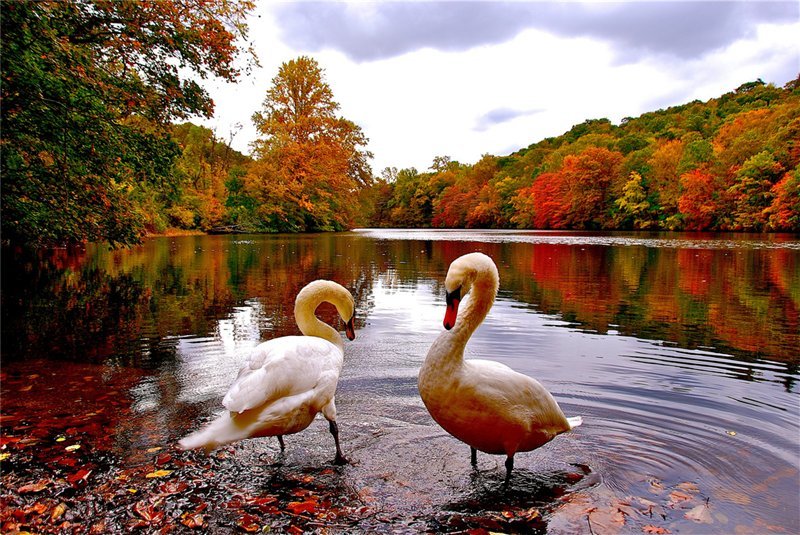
(680, 352)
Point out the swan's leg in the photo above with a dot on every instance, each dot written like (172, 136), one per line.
(509, 467)
(473, 456)
(329, 412)
(280, 441)
(340, 459)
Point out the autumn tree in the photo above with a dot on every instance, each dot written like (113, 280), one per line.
(634, 205)
(784, 212)
(89, 89)
(207, 171)
(310, 161)
(699, 202)
(751, 193)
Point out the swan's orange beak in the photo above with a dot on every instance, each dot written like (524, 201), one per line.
(349, 329)
(452, 299)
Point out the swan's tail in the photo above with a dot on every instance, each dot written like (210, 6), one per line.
(217, 433)
(574, 422)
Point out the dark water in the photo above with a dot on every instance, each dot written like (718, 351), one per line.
(679, 351)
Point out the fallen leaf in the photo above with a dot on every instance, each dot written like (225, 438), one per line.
(652, 508)
(73, 447)
(78, 477)
(148, 512)
(656, 486)
(153, 450)
(173, 487)
(731, 433)
(193, 520)
(39, 486)
(158, 473)
(308, 506)
(676, 497)
(249, 523)
(4, 456)
(701, 514)
(61, 438)
(655, 529)
(37, 508)
(26, 388)
(59, 510)
(607, 519)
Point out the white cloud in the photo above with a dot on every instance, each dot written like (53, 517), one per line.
(425, 102)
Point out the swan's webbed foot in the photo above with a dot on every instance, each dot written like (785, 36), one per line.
(509, 468)
(340, 459)
(473, 456)
(280, 441)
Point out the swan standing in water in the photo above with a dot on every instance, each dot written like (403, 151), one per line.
(286, 381)
(483, 403)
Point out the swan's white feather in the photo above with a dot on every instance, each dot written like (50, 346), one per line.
(282, 367)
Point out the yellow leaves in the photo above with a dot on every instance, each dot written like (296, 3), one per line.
(73, 447)
(58, 511)
(4, 456)
(158, 473)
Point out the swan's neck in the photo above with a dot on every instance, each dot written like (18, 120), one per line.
(310, 325)
(448, 349)
(475, 307)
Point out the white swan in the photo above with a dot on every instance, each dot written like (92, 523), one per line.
(485, 404)
(286, 381)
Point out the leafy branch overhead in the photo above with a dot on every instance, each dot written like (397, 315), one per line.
(89, 90)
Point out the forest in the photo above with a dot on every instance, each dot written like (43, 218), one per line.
(97, 145)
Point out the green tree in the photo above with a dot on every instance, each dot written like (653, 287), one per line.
(310, 161)
(89, 88)
(751, 194)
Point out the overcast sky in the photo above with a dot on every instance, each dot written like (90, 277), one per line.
(463, 79)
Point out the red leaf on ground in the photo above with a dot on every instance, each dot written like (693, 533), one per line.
(172, 487)
(308, 506)
(148, 512)
(79, 477)
(249, 523)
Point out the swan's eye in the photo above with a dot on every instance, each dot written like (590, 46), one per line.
(455, 295)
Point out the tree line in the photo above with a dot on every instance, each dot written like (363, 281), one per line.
(96, 145)
(730, 163)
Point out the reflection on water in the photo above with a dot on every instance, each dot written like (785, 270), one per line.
(680, 352)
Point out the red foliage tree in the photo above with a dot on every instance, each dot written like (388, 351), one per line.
(699, 202)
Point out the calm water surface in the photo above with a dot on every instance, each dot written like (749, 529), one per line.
(679, 351)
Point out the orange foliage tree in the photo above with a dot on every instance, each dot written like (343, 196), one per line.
(699, 201)
(310, 162)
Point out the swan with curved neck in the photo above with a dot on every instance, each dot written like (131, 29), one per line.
(483, 403)
(286, 381)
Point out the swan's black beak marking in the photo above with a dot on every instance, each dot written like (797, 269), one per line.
(349, 329)
(452, 299)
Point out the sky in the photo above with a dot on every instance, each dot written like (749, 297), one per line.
(463, 79)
